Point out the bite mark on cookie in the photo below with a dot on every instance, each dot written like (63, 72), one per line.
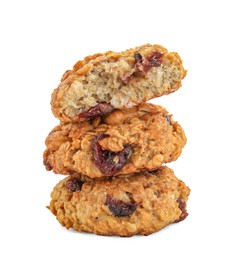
(109, 162)
(120, 208)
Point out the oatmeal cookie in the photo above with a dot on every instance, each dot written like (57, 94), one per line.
(134, 204)
(125, 141)
(104, 82)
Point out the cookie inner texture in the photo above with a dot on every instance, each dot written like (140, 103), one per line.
(121, 83)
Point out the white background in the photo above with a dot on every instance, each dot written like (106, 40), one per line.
(42, 39)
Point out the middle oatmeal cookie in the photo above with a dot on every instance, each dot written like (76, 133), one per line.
(124, 142)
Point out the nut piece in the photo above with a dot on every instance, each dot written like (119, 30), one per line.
(114, 118)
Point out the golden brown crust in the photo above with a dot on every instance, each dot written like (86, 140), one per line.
(154, 139)
(113, 78)
(156, 200)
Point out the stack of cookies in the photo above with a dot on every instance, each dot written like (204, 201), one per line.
(113, 145)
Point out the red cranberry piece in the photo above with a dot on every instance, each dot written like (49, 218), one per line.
(109, 162)
(146, 63)
(99, 110)
(138, 57)
(138, 65)
(153, 172)
(138, 62)
(154, 59)
(74, 184)
(48, 165)
(182, 206)
(120, 208)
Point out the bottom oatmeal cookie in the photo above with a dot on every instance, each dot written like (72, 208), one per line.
(124, 205)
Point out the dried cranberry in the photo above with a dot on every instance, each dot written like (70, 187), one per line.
(138, 57)
(74, 184)
(153, 172)
(120, 208)
(109, 162)
(138, 62)
(48, 165)
(146, 63)
(154, 59)
(182, 206)
(99, 110)
(168, 119)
